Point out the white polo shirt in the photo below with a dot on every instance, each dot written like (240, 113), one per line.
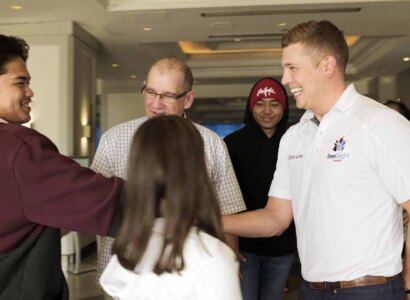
(346, 178)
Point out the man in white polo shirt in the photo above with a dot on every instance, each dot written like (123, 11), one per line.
(342, 174)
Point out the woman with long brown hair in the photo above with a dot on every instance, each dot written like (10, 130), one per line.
(170, 245)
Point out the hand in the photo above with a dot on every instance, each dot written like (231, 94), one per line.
(404, 285)
(240, 258)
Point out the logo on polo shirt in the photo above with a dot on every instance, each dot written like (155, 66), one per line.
(295, 156)
(338, 148)
(339, 145)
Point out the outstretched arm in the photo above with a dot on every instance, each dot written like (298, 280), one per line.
(271, 220)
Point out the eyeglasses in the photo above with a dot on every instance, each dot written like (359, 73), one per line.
(150, 94)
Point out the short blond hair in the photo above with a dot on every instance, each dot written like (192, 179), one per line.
(319, 38)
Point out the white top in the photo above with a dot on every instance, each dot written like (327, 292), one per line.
(345, 179)
(111, 159)
(211, 272)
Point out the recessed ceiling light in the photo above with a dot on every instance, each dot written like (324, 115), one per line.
(147, 29)
(115, 65)
(281, 24)
(237, 40)
(16, 6)
(133, 76)
(407, 58)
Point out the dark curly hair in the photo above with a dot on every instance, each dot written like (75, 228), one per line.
(10, 48)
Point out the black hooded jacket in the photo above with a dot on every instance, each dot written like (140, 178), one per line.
(254, 157)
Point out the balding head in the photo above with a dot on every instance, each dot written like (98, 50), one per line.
(171, 63)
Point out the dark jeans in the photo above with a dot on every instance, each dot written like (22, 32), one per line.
(264, 277)
(392, 290)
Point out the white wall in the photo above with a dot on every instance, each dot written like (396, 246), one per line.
(120, 107)
(222, 90)
(44, 67)
(84, 98)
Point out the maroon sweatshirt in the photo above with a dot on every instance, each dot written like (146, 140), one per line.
(40, 192)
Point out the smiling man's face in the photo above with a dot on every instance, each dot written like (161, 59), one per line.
(301, 73)
(15, 93)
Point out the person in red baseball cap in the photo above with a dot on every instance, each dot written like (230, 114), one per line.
(267, 104)
(253, 150)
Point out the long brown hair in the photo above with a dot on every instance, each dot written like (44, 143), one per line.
(167, 162)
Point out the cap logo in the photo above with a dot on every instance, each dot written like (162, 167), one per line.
(265, 91)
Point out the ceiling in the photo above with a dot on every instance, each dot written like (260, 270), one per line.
(118, 25)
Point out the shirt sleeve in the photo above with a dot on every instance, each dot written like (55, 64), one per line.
(390, 153)
(103, 158)
(280, 186)
(56, 191)
(223, 177)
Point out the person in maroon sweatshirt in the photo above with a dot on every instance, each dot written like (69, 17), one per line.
(41, 191)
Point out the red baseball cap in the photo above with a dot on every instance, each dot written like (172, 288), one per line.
(268, 88)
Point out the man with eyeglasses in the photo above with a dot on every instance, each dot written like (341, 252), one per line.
(167, 91)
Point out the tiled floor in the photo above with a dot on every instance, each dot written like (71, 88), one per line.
(82, 286)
